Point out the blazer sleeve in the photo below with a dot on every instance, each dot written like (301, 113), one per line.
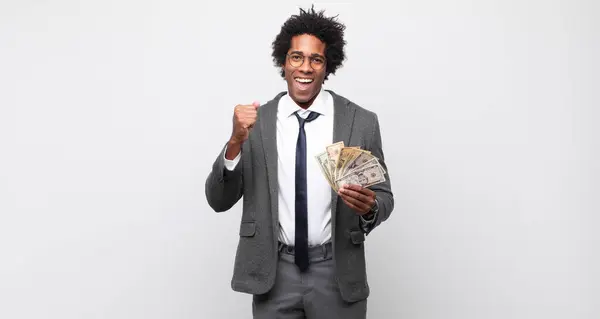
(383, 191)
(223, 187)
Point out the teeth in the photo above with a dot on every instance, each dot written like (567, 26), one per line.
(304, 80)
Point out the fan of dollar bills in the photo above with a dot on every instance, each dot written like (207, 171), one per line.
(350, 165)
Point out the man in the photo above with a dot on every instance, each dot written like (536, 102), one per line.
(301, 251)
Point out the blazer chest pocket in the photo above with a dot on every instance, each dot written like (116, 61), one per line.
(247, 229)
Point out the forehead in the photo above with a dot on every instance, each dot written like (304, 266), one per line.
(308, 44)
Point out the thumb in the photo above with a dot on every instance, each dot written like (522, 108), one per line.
(256, 104)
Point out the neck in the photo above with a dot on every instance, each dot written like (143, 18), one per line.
(307, 104)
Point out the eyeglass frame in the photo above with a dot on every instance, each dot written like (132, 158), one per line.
(288, 55)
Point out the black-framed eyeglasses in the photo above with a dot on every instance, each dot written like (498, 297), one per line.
(297, 60)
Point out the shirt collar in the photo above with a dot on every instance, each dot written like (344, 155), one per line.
(321, 105)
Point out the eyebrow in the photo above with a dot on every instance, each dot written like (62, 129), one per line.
(312, 55)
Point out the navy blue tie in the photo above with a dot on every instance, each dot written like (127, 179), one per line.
(301, 238)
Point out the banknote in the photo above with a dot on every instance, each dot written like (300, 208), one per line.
(341, 165)
(323, 160)
(372, 161)
(361, 158)
(334, 150)
(365, 177)
(347, 154)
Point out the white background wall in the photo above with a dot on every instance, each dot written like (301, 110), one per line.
(112, 112)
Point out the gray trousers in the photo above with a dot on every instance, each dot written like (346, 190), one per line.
(313, 294)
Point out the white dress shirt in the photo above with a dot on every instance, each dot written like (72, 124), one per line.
(319, 134)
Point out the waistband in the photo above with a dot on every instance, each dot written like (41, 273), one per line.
(315, 253)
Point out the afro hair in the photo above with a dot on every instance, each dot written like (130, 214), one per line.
(326, 29)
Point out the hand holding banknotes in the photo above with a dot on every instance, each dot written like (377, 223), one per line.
(359, 198)
(349, 171)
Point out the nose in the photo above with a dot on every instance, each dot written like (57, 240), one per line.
(305, 67)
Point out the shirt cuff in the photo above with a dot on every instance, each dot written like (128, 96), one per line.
(369, 221)
(231, 164)
(372, 218)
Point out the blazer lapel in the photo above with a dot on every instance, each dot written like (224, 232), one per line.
(343, 118)
(268, 127)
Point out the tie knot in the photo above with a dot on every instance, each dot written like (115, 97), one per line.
(310, 118)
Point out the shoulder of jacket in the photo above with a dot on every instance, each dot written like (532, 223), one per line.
(273, 102)
(360, 111)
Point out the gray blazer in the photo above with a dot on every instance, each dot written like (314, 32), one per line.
(255, 179)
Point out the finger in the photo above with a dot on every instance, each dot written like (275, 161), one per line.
(358, 205)
(354, 207)
(248, 121)
(248, 117)
(256, 104)
(368, 200)
(248, 124)
(248, 113)
(247, 107)
(245, 115)
(360, 189)
(351, 205)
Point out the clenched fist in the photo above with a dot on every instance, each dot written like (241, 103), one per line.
(244, 117)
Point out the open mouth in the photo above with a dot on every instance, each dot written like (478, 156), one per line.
(303, 83)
